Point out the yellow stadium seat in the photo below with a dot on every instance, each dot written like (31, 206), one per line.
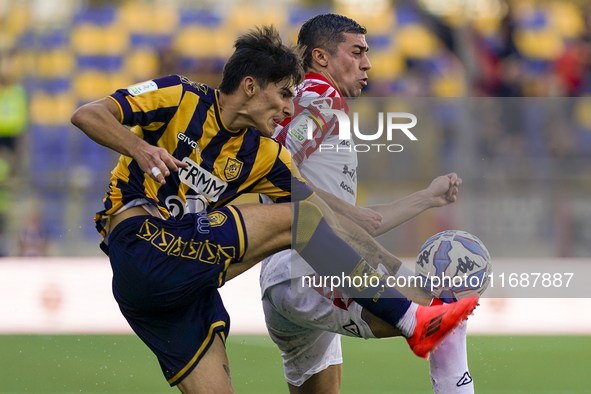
(51, 110)
(386, 65)
(149, 18)
(55, 64)
(200, 41)
(487, 26)
(90, 39)
(449, 86)
(91, 85)
(142, 64)
(195, 41)
(416, 42)
(543, 44)
(380, 22)
(246, 15)
(17, 20)
(566, 19)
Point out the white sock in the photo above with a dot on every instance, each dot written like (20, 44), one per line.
(448, 366)
(408, 322)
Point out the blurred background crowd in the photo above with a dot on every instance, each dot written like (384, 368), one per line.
(499, 87)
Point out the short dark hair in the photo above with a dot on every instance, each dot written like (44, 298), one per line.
(325, 31)
(260, 53)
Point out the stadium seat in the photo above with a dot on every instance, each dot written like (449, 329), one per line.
(58, 63)
(164, 18)
(539, 44)
(46, 109)
(415, 41)
(104, 63)
(566, 19)
(50, 156)
(96, 15)
(92, 85)
(142, 64)
(91, 40)
(202, 16)
(54, 213)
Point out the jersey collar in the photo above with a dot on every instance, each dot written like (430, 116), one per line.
(322, 78)
(220, 122)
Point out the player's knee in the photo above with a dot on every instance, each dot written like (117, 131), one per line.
(306, 218)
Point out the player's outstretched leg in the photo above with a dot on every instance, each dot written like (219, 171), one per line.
(424, 327)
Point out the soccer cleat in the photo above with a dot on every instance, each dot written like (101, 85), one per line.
(435, 322)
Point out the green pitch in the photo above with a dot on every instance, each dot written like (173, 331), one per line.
(122, 364)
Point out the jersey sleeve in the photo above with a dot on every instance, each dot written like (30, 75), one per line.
(283, 183)
(150, 102)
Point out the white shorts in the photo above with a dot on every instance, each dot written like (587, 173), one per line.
(307, 327)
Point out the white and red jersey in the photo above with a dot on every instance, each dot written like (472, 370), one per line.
(326, 161)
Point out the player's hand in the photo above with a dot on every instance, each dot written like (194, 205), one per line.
(156, 162)
(444, 189)
(366, 218)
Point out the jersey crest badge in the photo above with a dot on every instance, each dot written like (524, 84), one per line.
(232, 169)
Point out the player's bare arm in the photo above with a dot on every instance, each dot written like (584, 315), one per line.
(366, 246)
(364, 217)
(101, 122)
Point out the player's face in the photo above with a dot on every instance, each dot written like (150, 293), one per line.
(270, 106)
(348, 67)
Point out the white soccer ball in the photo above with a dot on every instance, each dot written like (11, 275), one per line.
(453, 264)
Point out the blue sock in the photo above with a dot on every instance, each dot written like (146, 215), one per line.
(330, 256)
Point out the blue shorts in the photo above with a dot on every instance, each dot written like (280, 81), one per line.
(165, 279)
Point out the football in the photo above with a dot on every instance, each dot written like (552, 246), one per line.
(453, 264)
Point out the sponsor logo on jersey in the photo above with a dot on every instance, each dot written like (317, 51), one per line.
(232, 169)
(142, 88)
(185, 138)
(352, 328)
(197, 85)
(347, 188)
(201, 180)
(351, 173)
(298, 133)
(465, 379)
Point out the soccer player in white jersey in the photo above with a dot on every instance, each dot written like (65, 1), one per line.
(306, 323)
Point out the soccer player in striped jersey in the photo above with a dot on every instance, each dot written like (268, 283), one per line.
(193, 148)
(306, 322)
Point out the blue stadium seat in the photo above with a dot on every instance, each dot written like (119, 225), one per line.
(104, 63)
(53, 86)
(101, 16)
(97, 158)
(54, 214)
(298, 15)
(57, 38)
(407, 15)
(139, 40)
(50, 156)
(200, 16)
(537, 20)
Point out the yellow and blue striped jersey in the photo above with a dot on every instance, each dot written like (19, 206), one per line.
(184, 117)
